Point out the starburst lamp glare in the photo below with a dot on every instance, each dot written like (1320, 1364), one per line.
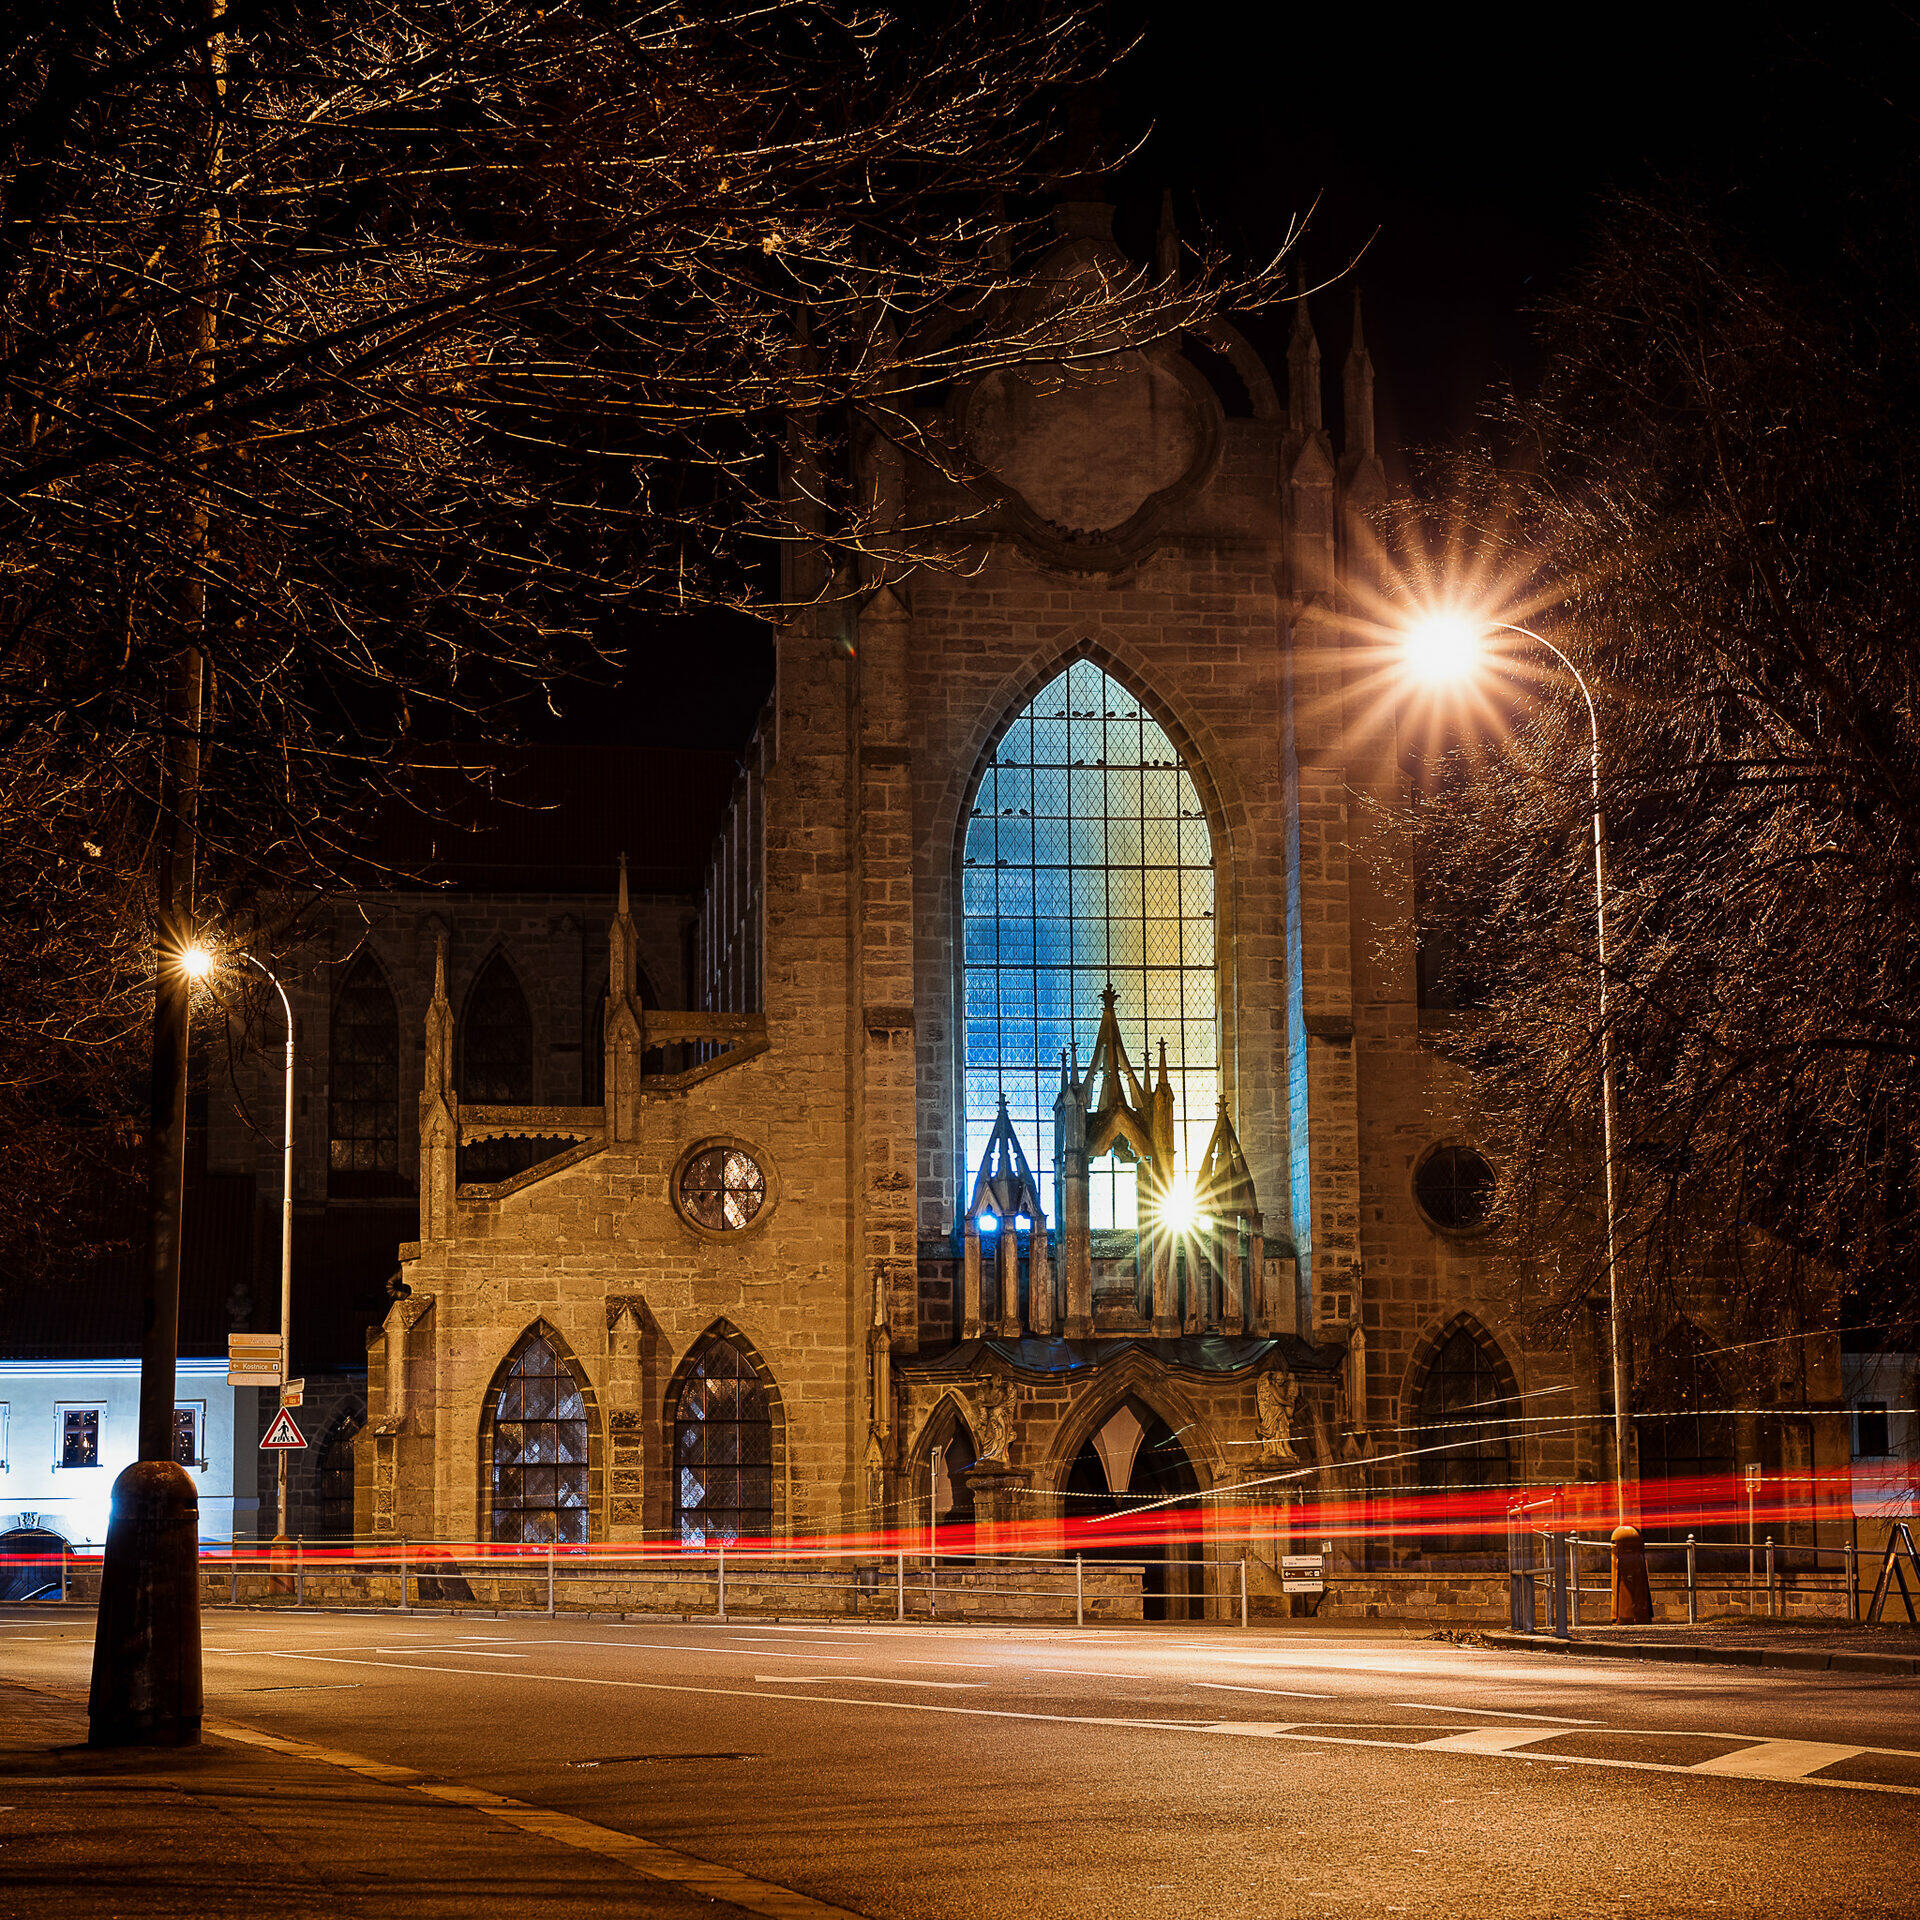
(1180, 1210)
(1442, 650)
(196, 962)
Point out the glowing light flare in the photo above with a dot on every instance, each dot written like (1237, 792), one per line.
(1180, 1212)
(1442, 650)
(196, 962)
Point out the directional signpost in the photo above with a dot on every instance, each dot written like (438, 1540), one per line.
(253, 1359)
(1303, 1573)
(283, 1435)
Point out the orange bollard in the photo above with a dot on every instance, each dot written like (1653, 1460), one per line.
(1632, 1596)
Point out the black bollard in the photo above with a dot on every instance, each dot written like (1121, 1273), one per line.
(146, 1642)
(1632, 1596)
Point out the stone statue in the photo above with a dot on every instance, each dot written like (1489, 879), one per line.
(993, 1423)
(1274, 1401)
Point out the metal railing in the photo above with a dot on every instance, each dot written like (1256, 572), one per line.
(720, 1583)
(1538, 1557)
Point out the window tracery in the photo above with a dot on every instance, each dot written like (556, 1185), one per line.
(538, 1459)
(722, 1450)
(496, 1069)
(1087, 861)
(363, 1086)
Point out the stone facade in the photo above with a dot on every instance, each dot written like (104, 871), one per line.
(1189, 524)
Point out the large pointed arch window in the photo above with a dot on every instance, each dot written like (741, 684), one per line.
(1087, 861)
(363, 1086)
(496, 1068)
(537, 1448)
(722, 1425)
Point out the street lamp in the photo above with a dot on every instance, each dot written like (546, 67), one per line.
(1442, 650)
(197, 963)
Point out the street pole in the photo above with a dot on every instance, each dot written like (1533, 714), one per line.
(1608, 1121)
(286, 1232)
(1628, 1551)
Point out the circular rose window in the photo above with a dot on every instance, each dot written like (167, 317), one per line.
(1454, 1186)
(722, 1188)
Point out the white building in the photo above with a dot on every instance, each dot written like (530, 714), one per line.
(1882, 1393)
(67, 1427)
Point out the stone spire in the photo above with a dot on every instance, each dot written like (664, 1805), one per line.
(439, 1109)
(1303, 366)
(624, 1034)
(1073, 1200)
(1356, 381)
(1161, 1115)
(1119, 1105)
(439, 1076)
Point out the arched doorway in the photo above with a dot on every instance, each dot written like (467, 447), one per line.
(333, 1475)
(1461, 1436)
(1130, 1461)
(945, 1456)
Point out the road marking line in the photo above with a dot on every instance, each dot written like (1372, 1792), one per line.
(1309, 1732)
(647, 1857)
(1777, 1760)
(1259, 1729)
(1280, 1693)
(859, 1679)
(466, 1653)
(1486, 1740)
(1489, 1713)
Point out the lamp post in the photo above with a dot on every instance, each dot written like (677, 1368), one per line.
(1445, 649)
(197, 963)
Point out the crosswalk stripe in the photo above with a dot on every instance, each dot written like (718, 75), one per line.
(1777, 1760)
(1487, 1740)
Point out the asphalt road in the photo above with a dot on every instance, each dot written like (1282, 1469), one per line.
(1006, 1773)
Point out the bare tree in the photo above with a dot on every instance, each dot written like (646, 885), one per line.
(1714, 503)
(363, 366)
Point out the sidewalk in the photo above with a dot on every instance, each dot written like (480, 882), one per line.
(1817, 1646)
(226, 1831)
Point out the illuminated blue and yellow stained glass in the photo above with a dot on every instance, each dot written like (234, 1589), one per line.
(1087, 860)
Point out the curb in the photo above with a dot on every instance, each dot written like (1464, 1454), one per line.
(1704, 1653)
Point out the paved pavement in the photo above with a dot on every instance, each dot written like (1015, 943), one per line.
(432, 1765)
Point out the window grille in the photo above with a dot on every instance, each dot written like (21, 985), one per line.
(1087, 860)
(1454, 1186)
(539, 1449)
(722, 1451)
(723, 1188)
(363, 1086)
(80, 1437)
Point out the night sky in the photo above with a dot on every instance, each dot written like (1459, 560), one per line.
(1463, 152)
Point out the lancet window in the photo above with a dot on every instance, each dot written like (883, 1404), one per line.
(722, 1429)
(538, 1452)
(363, 1085)
(496, 1068)
(1087, 860)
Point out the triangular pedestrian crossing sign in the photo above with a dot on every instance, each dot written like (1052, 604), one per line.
(283, 1433)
